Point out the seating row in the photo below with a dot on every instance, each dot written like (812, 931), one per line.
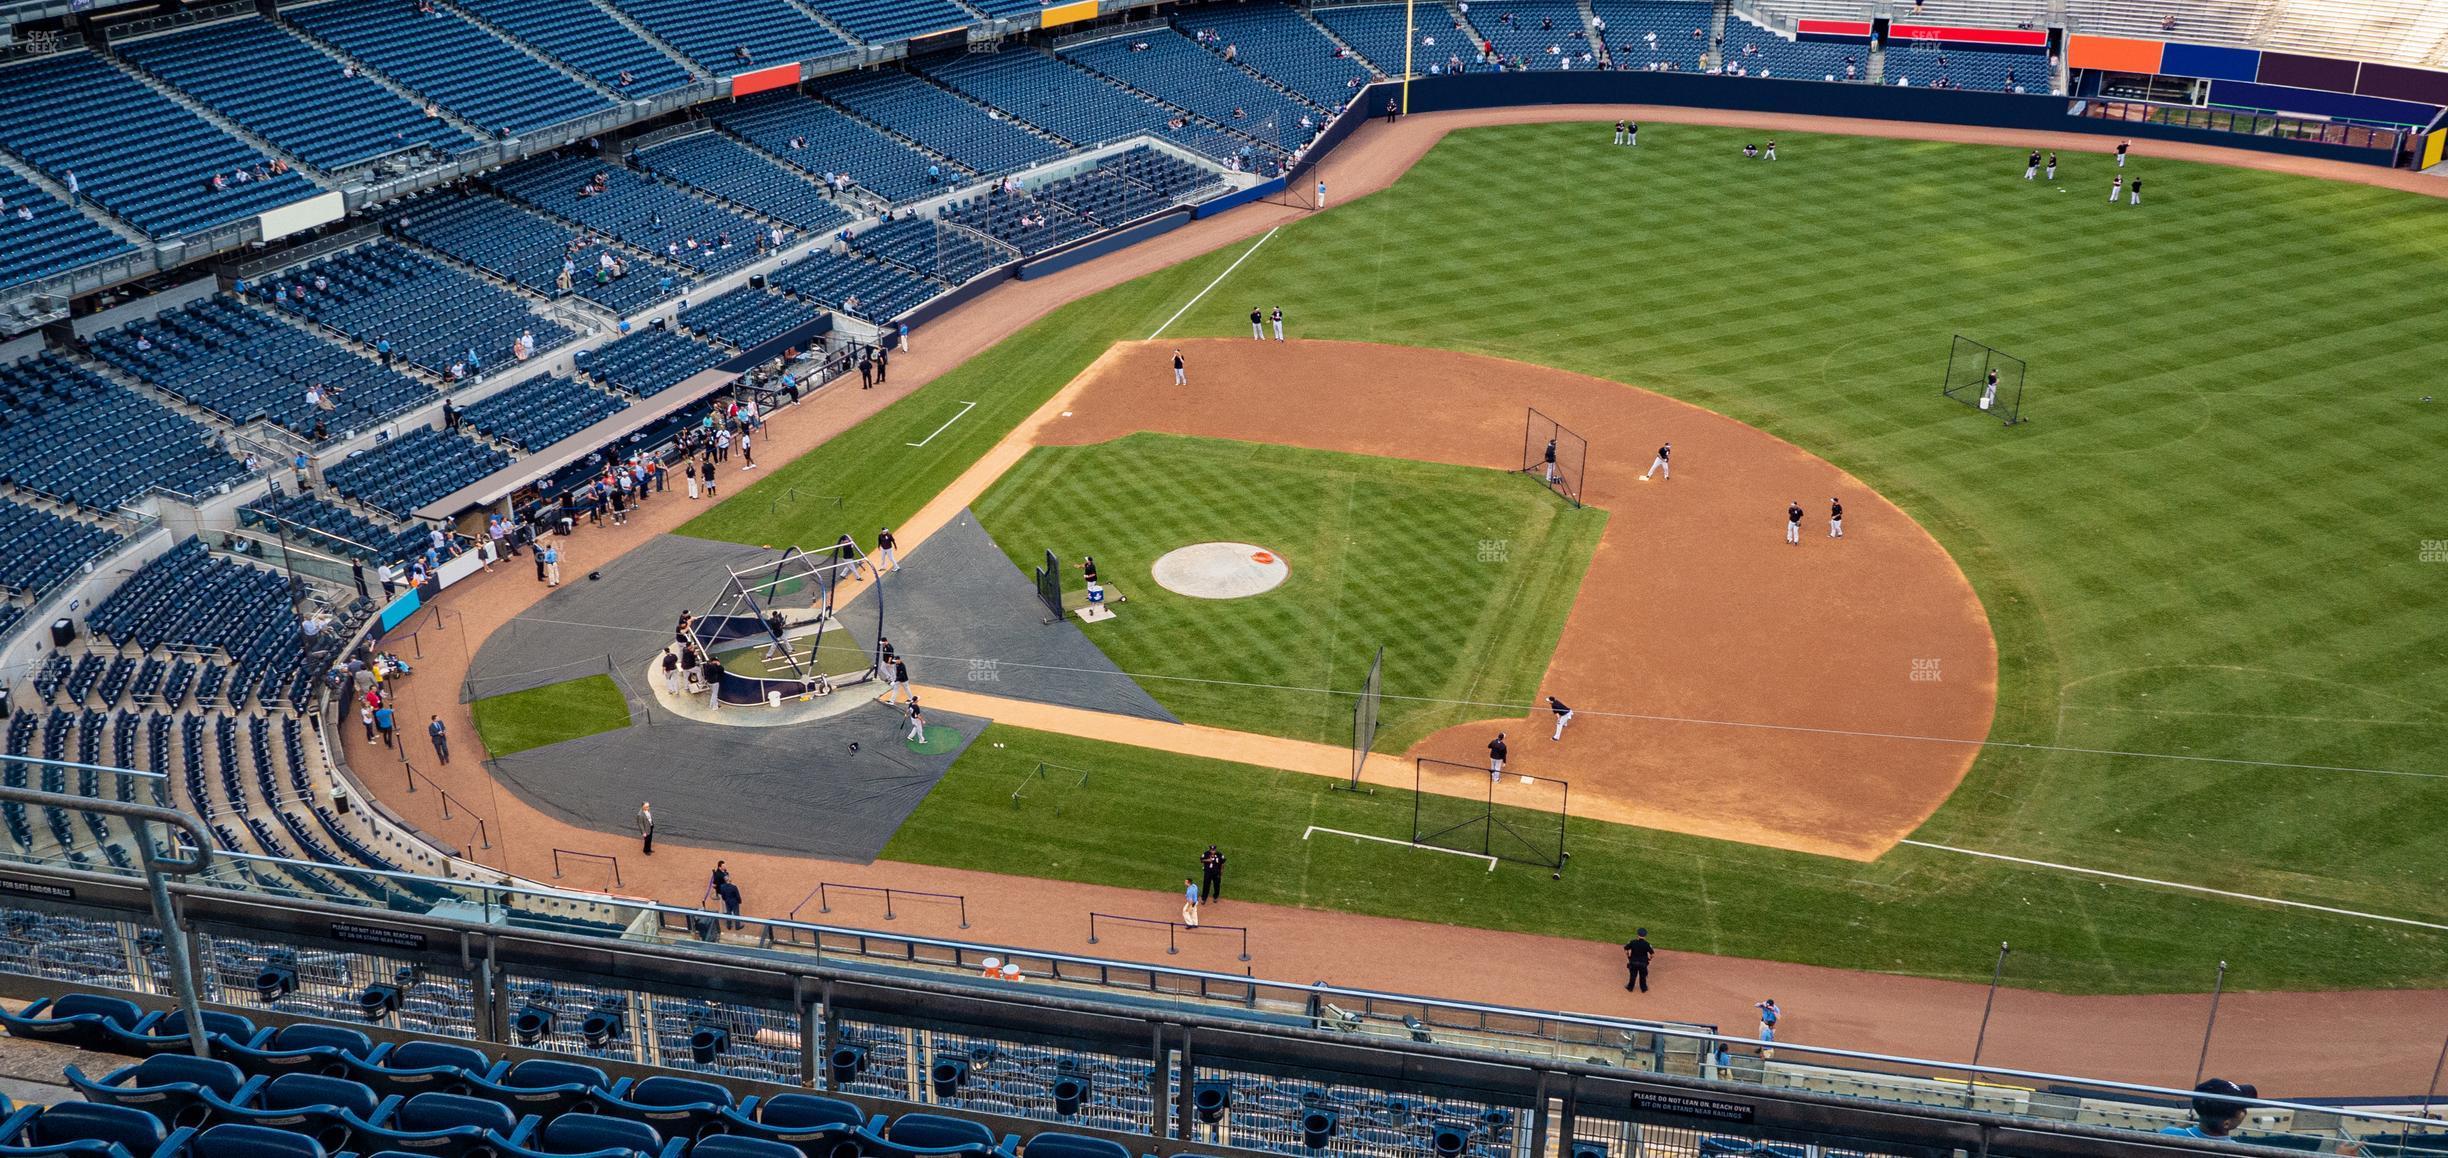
(590, 40)
(407, 472)
(1281, 44)
(1167, 65)
(737, 35)
(332, 528)
(648, 362)
(856, 285)
(453, 61)
(622, 203)
(819, 139)
(940, 121)
(535, 251)
(541, 411)
(747, 318)
(738, 174)
(350, 121)
(929, 249)
(241, 364)
(434, 315)
(40, 237)
(38, 549)
(69, 433)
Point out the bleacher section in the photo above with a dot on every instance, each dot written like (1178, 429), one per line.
(1177, 179)
(855, 286)
(241, 364)
(433, 314)
(738, 174)
(240, 617)
(648, 362)
(349, 121)
(1535, 35)
(68, 433)
(836, 143)
(644, 212)
(737, 36)
(746, 318)
(1641, 36)
(49, 237)
(457, 64)
(1281, 44)
(131, 149)
(1070, 103)
(541, 411)
(589, 40)
(1775, 56)
(516, 245)
(1028, 224)
(1163, 62)
(1375, 31)
(416, 468)
(1968, 66)
(941, 121)
(886, 21)
(930, 250)
(322, 526)
(38, 549)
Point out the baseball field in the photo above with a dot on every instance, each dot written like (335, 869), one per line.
(2203, 576)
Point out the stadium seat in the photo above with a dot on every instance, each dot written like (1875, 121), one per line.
(351, 121)
(1053, 1145)
(543, 1087)
(576, 1135)
(417, 1067)
(303, 1046)
(675, 1107)
(941, 1132)
(170, 1086)
(437, 1125)
(76, 1019)
(238, 1140)
(816, 1126)
(83, 1129)
(738, 1146)
(300, 1103)
(168, 1033)
(453, 61)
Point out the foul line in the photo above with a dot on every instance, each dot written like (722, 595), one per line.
(1412, 843)
(965, 408)
(2090, 872)
(1219, 280)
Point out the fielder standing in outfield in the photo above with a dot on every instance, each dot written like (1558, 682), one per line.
(2133, 194)
(1257, 324)
(1835, 518)
(1793, 521)
(1659, 463)
(2121, 147)
(1277, 317)
(1563, 715)
(1619, 131)
(2116, 188)
(1772, 148)
(1496, 757)
(2031, 169)
(2052, 166)
(1181, 373)
(1632, 133)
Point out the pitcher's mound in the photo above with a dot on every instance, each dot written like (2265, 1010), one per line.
(1220, 570)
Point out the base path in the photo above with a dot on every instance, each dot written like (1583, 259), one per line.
(1695, 608)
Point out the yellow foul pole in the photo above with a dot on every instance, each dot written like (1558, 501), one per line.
(1410, 37)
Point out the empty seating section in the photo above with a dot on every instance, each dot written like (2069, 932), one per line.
(649, 362)
(589, 40)
(196, 600)
(885, 21)
(1375, 31)
(835, 143)
(513, 244)
(1642, 36)
(644, 212)
(414, 469)
(1031, 225)
(68, 433)
(1280, 43)
(856, 286)
(454, 62)
(242, 364)
(38, 548)
(747, 318)
(432, 314)
(736, 35)
(1106, 197)
(1775, 56)
(1164, 172)
(131, 149)
(541, 411)
(1968, 66)
(738, 174)
(49, 237)
(349, 121)
(924, 247)
(334, 530)
(1165, 64)
(1534, 34)
(941, 121)
(1073, 104)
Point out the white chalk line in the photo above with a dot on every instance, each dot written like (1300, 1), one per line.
(966, 407)
(1491, 861)
(1219, 280)
(2178, 885)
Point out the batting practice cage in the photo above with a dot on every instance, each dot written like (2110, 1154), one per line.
(1973, 369)
(1364, 716)
(1049, 587)
(1554, 455)
(1461, 808)
(775, 629)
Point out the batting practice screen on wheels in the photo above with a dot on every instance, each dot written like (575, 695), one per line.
(1985, 378)
(1554, 455)
(1463, 808)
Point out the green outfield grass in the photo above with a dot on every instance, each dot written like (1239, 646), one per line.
(517, 721)
(1464, 575)
(1916, 910)
(2208, 541)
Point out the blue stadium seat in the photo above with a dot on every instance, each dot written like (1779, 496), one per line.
(76, 1019)
(301, 1103)
(168, 1033)
(1775, 57)
(542, 410)
(579, 1135)
(50, 238)
(437, 1125)
(741, 175)
(648, 362)
(1643, 35)
(587, 39)
(817, 138)
(38, 549)
(646, 213)
(350, 121)
(1168, 66)
(1031, 225)
(938, 1132)
(325, 527)
(543, 1087)
(739, 36)
(413, 469)
(816, 1126)
(170, 1086)
(675, 1107)
(418, 1067)
(82, 1129)
(1073, 104)
(855, 285)
(747, 317)
(432, 314)
(1534, 35)
(940, 121)
(240, 364)
(452, 61)
(886, 21)
(524, 247)
(239, 1140)
(131, 149)
(1282, 45)
(950, 256)
(299, 1047)
(1054, 1145)
(121, 445)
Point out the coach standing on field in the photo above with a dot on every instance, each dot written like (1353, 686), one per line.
(1637, 953)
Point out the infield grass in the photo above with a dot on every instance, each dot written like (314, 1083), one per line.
(517, 721)
(1465, 575)
(2216, 538)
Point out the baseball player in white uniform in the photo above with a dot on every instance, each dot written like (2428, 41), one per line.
(1835, 518)
(1989, 392)
(1793, 522)
(1660, 464)
(1257, 324)
(1276, 316)
(1563, 715)
(1181, 371)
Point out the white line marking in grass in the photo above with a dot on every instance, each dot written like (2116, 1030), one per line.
(2177, 885)
(1390, 840)
(1219, 280)
(965, 408)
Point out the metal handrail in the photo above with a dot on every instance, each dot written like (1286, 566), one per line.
(824, 903)
(1173, 930)
(558, 853)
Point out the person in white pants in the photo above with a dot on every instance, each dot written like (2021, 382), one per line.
(1322, 192)
(2116, 189)
(1563, 715)
(1835, 518)
(1181, 372)
(1277, 315)
(885, 544)
(1660, 463)
(917, 722)
(1257, 324)
(1793, 522)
